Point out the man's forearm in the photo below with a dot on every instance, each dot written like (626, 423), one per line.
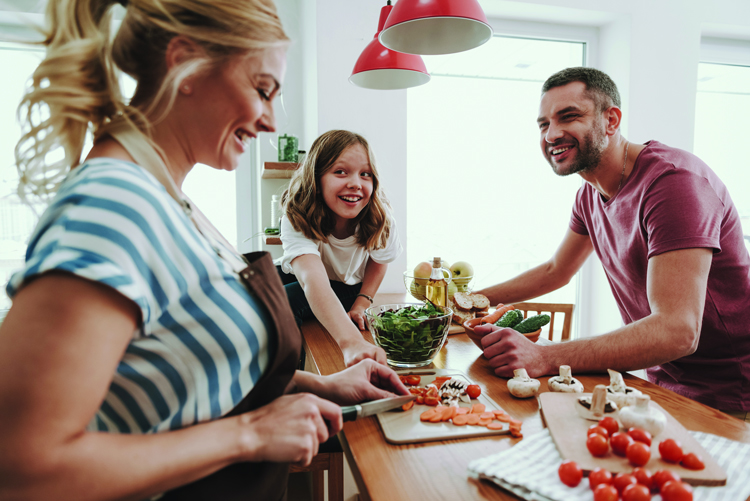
(648, 342)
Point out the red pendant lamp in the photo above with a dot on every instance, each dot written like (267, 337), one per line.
(383, 69)
(433, 27)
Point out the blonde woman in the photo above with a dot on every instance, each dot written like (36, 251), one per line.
(338, 237)
(142, 356)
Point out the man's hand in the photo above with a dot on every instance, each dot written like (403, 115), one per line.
(508, 350)
(362, 382)
(356, 350)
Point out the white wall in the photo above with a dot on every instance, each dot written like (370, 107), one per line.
(650, 48)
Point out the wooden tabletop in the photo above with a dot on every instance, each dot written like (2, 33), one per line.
(437, 470)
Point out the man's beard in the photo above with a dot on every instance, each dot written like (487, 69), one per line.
(589, 154)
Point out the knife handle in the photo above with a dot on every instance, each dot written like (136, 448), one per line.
(350, 412)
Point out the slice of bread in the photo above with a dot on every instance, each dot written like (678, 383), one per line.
(463, 300)
(480, 301)
(461, 316)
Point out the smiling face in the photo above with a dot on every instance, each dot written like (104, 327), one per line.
(573, 130)
(228, 107)
(347, 186)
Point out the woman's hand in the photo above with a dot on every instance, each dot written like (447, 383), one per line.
(289, 429)
(362, 382)
(356, 350)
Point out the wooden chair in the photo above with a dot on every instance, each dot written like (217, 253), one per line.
(551, 309)
(334, 463)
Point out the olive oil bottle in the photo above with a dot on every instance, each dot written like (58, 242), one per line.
(437, 286)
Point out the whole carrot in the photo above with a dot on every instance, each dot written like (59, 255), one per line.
(499, 312)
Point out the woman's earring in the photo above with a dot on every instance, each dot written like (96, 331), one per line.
(186, 88)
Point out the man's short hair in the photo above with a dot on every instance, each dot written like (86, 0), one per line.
(599, 87)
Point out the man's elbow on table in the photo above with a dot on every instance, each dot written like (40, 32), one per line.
(682, 335)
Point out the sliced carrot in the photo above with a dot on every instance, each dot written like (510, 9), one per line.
(427, 415)
(499, 412)
(487, 415)
(462, 410)
(449, 412)
(497, 314)
(515, 422)
(516, 434)
(494, 425)
(485, 421)
(408, 405)
(473, 419)
(503, 418)
(461, 419)
(477, 408)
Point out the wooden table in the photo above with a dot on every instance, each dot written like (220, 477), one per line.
(437, 470)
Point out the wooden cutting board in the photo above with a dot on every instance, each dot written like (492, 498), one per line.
(455, 329)
(568, 431)
(404, 427)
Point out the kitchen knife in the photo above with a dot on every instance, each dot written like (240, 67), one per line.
(352, 412)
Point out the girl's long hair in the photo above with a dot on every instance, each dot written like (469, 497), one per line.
(75, 89)
(304, 204)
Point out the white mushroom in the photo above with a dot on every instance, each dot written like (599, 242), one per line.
(596, 405)
(522, 386)
(643, 416)
(618, 392)
(453, 390)
(565, 382)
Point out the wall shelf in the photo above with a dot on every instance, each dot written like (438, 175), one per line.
(278, 170)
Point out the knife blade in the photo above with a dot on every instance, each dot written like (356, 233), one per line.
(352, 412)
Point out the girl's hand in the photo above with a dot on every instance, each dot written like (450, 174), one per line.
(357, 314)
(359, 349)
(289, 429)
(362, 382)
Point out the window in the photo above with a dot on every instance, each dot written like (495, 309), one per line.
(478, 187)
(721, 111)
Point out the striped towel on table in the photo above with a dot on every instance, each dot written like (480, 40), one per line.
(529, 470)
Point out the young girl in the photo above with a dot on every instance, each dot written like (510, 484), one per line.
(338, 237)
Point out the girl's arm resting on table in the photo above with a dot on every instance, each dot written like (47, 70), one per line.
(59, 346)
(374, 273)
(312, 276)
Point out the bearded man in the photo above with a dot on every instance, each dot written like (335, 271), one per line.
(669, 238)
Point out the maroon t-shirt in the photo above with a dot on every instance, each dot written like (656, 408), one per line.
(672, 200)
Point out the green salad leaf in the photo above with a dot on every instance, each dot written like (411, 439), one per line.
(412, 333)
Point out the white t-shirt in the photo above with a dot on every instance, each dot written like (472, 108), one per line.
(344, 259)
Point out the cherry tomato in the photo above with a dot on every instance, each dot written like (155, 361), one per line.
(599, 476)
(692, 461)
(670, 450)
(640, 435)
(402, 379)
(623, 480)
(599, 430)
(638, 453)
(431, 400)
(636, 492)
(676, 491)
(570, 473)
(413, 380)
(661, 477)
(605, 492)
(473, 390)
(610, 424)
(597, 445)
(620, 442)
(643, 476)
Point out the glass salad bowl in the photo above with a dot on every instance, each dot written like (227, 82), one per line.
(411, 334)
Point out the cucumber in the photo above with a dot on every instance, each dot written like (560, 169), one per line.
(510, 318)
(532, 323)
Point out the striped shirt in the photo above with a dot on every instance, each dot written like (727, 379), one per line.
(202, 343)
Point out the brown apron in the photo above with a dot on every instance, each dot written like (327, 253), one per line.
(257, 481)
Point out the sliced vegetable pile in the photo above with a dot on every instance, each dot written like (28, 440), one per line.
(443, 395)
(410, 334)
(507, 316)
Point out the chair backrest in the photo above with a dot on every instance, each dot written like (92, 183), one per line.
(551, 309)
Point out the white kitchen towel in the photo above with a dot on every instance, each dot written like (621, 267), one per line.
(529, 470)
